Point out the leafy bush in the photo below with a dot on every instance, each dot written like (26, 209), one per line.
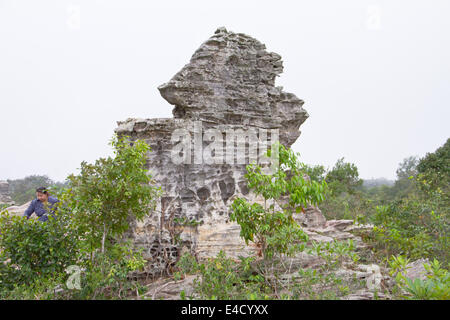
(344, 197)
(411, 227)
(411, 217)
(224, 278)
(108, 276)
(335, 253)
(274, 230)
(40, 288)
(91, 218)
(346, 205)
(105, 195)
(323, 283)
(436, 286)
(31, 249)
(277, 233)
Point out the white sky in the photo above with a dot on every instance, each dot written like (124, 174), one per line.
(374, 75)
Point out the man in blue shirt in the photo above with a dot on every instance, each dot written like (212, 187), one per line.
(43, 205)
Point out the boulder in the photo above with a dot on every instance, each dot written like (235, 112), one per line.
(19, 210)
(416, 270)
(227, 87)
(311, 218)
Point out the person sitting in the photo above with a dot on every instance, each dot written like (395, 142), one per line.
(43, 205)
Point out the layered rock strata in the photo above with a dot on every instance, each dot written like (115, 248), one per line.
(227, 88)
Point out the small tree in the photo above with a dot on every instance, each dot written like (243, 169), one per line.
(105, 194)
(275, 230)
(344, 177)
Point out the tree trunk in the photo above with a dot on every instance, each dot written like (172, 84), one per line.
(104, 238)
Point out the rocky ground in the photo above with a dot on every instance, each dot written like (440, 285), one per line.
(373, 278)
(371, 275)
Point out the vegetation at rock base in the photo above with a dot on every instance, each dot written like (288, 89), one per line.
(86, 232)
(274, 230)
(411, 217)
(435, 286)
(409, 220)
(277, 234)
(35, 249)
(107, 193)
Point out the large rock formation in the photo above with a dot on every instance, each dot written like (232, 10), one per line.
(228, 86)
(230, 80)
(5, 198)
(364, 279)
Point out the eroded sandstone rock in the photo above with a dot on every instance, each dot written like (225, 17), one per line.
(228, 86)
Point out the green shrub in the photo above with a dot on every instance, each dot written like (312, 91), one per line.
(347, 206)
(436, 286)
(87, 231)
(41, 288)
(316, 285)
(343, 177)
(411, 227)
(109, 276)
(31, 248)
(222, 278)
(274, 230)
(434, 171)
(109, 192)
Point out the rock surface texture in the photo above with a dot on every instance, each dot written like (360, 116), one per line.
(228, 85)
(4, 193)
(20, 210)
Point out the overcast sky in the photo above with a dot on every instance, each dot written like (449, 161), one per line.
(374, 75)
